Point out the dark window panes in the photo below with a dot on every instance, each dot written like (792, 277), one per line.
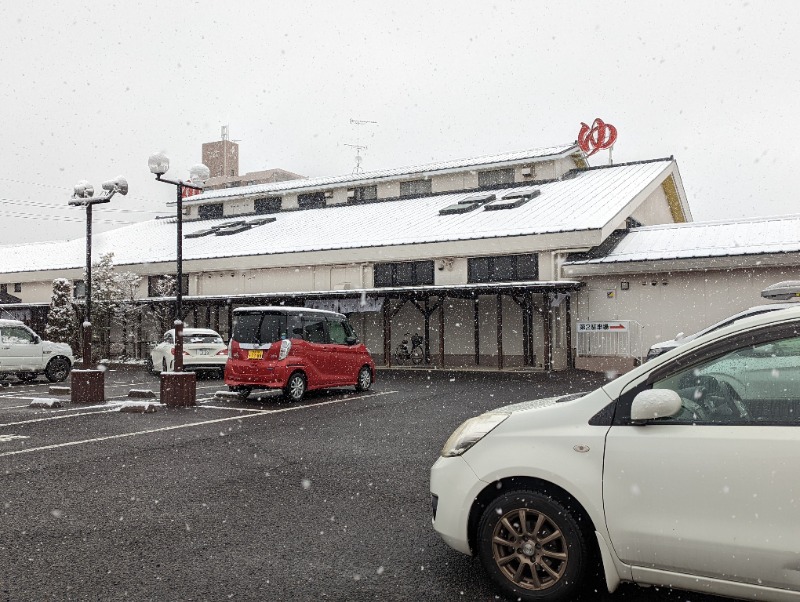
(383, 274)
(527, 267)
(4, 289)
(424, 272)
(365, 193)
(478, 269)
(311, 200)
(495, 177)
(415, 187)
(505, 268)
(314, 330)
(404, 274)
(270, 204)
(210, 211)
(18, 287)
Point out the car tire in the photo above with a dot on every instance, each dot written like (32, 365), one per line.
(295, 387)
(57, 369)
(26, 376)
(530, 564)
(148, 365)
(164, 364)
(364, 381)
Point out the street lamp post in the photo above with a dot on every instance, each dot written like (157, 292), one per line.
(178, 388)
(88, 386)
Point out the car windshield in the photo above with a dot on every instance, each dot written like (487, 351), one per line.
(259, 328)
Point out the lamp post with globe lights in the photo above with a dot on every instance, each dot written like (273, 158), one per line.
(178, 388)
(87, 385)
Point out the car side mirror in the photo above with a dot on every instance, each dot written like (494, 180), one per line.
(655, 403)
(351, 340)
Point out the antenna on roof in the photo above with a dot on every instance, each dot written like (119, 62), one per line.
(358, 146)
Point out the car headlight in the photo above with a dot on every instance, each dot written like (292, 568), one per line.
(470, 432)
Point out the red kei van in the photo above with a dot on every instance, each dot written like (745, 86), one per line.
(295, 349)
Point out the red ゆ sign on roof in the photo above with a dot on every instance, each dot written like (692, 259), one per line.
(600, 135)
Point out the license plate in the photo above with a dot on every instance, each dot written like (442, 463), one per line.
(255, 354)
(203, 352)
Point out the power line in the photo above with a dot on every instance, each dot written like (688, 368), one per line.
(7, 201)
(56, 218)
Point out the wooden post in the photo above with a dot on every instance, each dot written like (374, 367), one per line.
(441, 331)
(477, 324)
(499, 332)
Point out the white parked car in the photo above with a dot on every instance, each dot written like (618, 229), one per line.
(24, 354)
(203, 349)
(681, 473)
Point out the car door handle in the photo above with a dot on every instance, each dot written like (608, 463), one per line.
(4, 347)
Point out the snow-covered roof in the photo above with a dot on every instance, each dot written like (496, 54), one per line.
(755, 236)
(371, 176)
(587, 200)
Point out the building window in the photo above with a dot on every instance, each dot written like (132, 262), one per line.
(503, 268)
(415, 188)
(363, 194)
(311, 200)
(18, 287)
(3, 289)
(407, 273)
(79, 289)
(495, 177)
(210, 211)
(163, 286)
(270, 204)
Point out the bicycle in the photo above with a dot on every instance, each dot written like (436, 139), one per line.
(410, 349)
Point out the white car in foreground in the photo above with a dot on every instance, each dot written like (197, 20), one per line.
(203, 349)
(681, 473)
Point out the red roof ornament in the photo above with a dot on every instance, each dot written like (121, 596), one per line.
(599, 136)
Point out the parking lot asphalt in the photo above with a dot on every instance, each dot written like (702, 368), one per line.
(245, 500)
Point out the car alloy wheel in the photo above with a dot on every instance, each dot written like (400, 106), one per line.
(57, 370)
(532, 547)
(364, 379)
(296, 387)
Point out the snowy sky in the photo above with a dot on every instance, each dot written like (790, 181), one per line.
(90, 89)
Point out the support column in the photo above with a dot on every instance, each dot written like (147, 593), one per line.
(387, 333)
(476, 318)
(499, 332)
(441, 332)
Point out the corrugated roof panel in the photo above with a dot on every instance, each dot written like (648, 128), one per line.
(584, 202)
(706, 239)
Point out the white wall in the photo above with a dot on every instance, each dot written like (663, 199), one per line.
(678, 302)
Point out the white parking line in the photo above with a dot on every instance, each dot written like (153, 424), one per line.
(163, 429)
(104, 411)
(183, 426)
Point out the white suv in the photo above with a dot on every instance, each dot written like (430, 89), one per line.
(681, 473)
(24, 354)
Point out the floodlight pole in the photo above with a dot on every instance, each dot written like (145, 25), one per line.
(87, 386)
(179, 186)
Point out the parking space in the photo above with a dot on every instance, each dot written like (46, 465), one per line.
(25, 429)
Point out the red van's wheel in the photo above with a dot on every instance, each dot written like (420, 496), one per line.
(295, 387)
(364, 379)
